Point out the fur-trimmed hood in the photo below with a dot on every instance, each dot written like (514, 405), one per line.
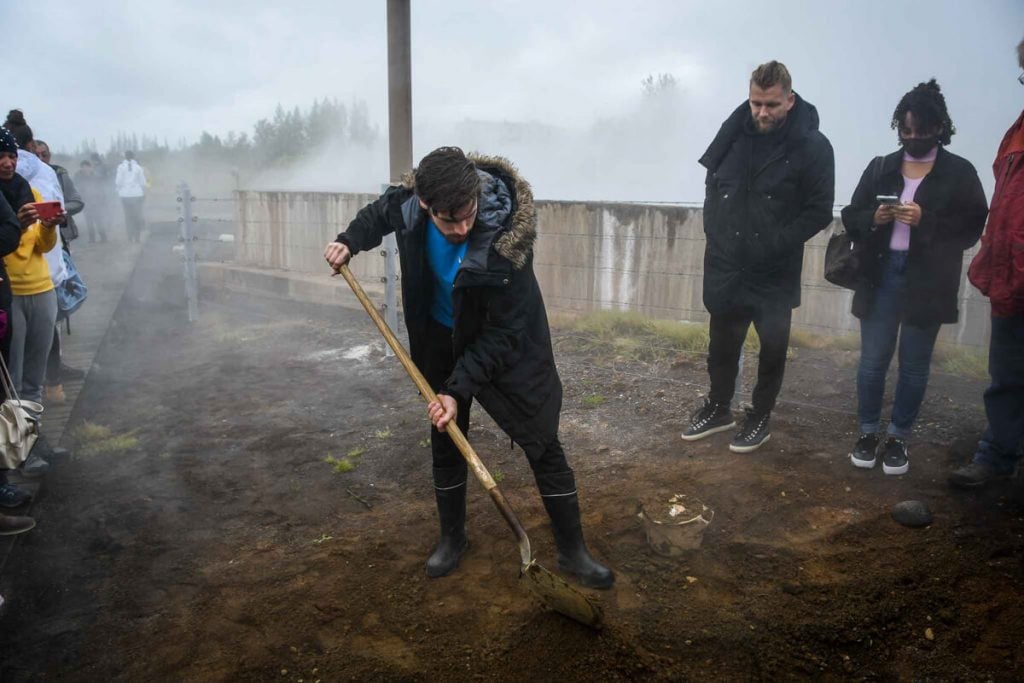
(505, 207)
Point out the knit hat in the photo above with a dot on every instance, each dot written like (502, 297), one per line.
(7, 141)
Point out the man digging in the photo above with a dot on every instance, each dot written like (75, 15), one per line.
(465, 228)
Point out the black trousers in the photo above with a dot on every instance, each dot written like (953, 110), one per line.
(728, 331)
(437, 366)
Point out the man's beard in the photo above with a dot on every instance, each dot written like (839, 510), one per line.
(773, 125)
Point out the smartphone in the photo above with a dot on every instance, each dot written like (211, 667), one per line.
(47, 210)
(887, 199)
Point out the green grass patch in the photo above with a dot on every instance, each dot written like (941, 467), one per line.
(340, 465)
(631, 335)
(594, 400)
(383, 433)
(963, 361)
(424, 443)
(97, 439)
(628, 335)
(356, 452)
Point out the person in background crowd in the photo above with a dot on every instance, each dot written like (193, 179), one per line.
(107, 190)
(19, 197)
(73, 203)
(93, 192)
(56, 371)
(131, 187)
(477, 329)
(769, 189)
(911, 261)
(998, 272)
(35, 269)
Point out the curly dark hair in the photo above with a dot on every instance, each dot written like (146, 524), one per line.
(19, 127)
(446, 180)
(928, 106)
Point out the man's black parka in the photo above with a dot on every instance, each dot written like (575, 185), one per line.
(758, 216)
(500, 339)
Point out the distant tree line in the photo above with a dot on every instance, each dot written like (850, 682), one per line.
(276, 141)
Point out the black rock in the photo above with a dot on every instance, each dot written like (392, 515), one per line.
(912, 513)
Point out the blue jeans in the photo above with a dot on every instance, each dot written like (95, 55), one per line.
(879, 331)
(1000, 445)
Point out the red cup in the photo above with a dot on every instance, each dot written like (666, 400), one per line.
(47, 210)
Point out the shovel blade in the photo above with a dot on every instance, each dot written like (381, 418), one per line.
(554, 592)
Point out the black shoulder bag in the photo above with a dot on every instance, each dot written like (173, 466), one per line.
(843, 255)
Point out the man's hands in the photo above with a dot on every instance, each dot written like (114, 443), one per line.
(337, 255)
(27, 215)
(442, 411)
(909, 213)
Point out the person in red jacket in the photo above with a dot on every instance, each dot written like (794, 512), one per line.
(998, 272)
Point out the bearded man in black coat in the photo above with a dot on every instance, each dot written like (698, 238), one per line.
(770, 187)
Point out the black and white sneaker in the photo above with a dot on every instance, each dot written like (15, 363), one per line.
(752, 434)
(710, 419)
(894, 457)
(864, 451)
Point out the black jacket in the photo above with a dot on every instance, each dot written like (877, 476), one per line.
(500, 338)
(953, 211)
(756, 219)
(16, 193)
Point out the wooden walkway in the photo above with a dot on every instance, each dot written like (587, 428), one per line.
(105, 269)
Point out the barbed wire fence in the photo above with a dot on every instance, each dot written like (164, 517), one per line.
(220, 227)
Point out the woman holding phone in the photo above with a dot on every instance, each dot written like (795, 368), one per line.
(915, 211)
(34, 301)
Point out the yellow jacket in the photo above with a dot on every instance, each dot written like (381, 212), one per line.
(26, 266)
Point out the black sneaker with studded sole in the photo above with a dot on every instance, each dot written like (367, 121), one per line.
(752, 435)
(895, 459)
(864, 451)
(710, 419)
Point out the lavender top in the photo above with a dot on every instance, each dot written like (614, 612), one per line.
(900, 240)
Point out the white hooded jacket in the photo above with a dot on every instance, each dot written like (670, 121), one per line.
(131, 179)
(44, 180)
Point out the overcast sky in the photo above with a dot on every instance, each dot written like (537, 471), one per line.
(173, 68)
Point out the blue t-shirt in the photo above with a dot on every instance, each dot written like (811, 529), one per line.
(444, 259)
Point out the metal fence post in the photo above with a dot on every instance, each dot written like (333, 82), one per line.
(187, 239)
(390, 307)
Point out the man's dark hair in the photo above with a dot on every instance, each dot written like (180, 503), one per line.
(446, 180)
(1020, 54)
(19, 128)
(770, 74)
(928, 106)
(129, 155)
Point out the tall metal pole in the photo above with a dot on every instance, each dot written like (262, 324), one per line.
(399, 89)
(399, 134)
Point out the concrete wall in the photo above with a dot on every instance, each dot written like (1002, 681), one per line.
(590, 256)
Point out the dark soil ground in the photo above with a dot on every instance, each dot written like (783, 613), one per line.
(224, 547)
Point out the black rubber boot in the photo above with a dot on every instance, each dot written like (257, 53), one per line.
(558, 491)
(450, 492)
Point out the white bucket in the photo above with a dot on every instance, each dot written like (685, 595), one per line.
(676, 525)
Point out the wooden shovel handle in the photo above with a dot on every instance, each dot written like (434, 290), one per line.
(451, 429)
